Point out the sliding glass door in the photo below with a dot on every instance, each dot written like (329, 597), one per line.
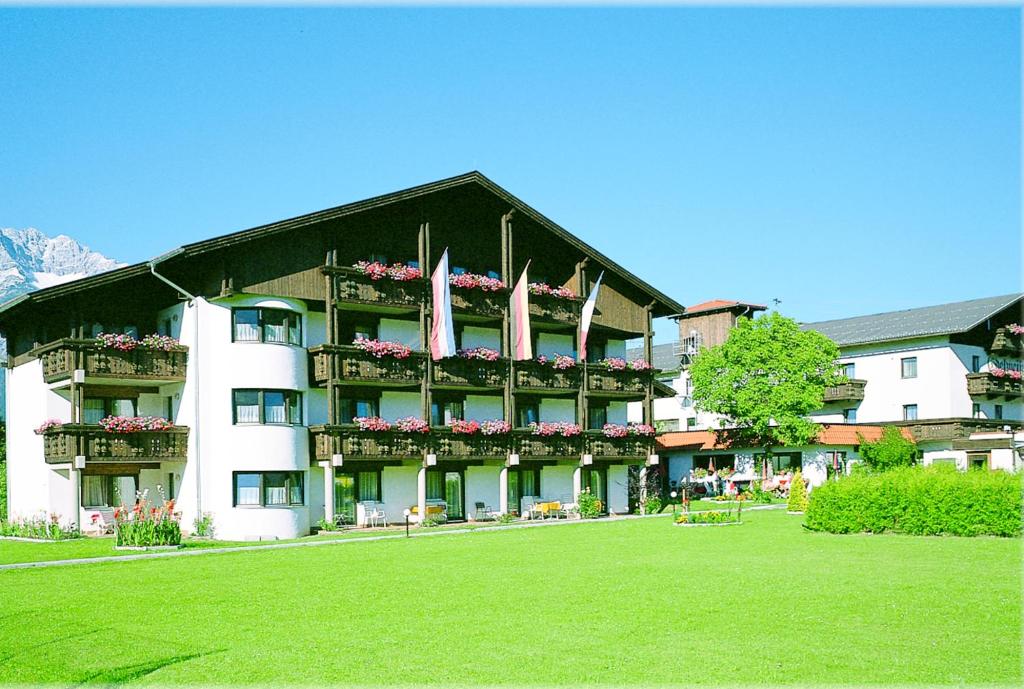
(447, 486)
(596, 479)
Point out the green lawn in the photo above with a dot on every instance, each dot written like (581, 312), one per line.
(628, 602)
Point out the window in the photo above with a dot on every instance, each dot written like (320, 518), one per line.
(666, 425)
(169, 407)
(975, 364)
(108, 491)
(781, 461)
(349, 331)
(353, 487)
(847, 370)
(96, 408)
(719, 461)
(270, 489)
(908, 367)
(351, 408)
(527, 414)
(267, 406)
(910, 412)
(443, 412)
(522, 483)
(850, 415)
(976, 410)
(977, 461)
(999, 411)
(691, 422)
(597, 348)
(598, 416)
(267, 325)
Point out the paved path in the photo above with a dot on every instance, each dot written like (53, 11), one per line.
(418, 533)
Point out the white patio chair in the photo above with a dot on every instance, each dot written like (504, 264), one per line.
(376, 515)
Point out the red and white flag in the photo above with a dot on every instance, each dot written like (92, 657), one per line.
(442, 332)
(522, 340)
(587, 316)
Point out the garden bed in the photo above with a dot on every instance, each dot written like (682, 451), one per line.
(147, 547)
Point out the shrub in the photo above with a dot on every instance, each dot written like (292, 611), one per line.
(432, 521)
(653, 505)
(890, 451)
(590, 506)
(757, 494)
(142, 525)
(919, 501)
(43, 526)
(797, 494)
(203, 525)
(506, 518)
(707, 517)
(326, 525)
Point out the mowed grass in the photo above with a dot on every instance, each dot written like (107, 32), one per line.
(628, 602)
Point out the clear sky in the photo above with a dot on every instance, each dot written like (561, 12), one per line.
(845, 161)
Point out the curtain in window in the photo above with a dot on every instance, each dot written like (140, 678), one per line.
(598, 417)
(247, 406)
(123, 407)
(529, 483)
(124, 490)
(273, 408)
(275, 489)
(247, 489)
(294, 408)
(368, 486)
(295, 494)
(247, 325)
(294, 329)
(275, 326)
(96, 491)
(435, 485)
(93, 410)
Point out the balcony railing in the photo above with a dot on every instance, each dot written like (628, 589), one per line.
(353, 365)
(447, 444)
(556, 309)
(479, 302)
(64, 443)
(352, 443)
(470, 372)
(533, 446)
(1005, 343)
(988, 385)
(351, 286)
(604, 379)
(850, 391)
(955, 428)
(531, 374)
(601, 446)
(60, 360)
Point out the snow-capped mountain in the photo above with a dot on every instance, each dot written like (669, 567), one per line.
(31, 260)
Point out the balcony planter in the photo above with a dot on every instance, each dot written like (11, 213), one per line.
(530, 445)
(533, 374)
(470, 372)
(631, 445)
(61, 444)
(352, 364)
(60, 359)
(602, 378)
(349, 441)
(1004, 383)
(354, 286)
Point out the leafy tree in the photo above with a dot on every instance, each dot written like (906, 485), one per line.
(766, 378)
(797, 494)
(890, 451)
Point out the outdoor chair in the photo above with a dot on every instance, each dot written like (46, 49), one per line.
(376, 516)
(485, 513)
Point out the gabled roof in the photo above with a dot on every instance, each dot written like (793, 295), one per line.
(665, 357)
(943, 319)
(841, 434)
(720, 305)
(668, 306)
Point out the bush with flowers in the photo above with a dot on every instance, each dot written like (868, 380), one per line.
(43, 527)
(399, 272)
(559, 362)
(49, 425)
(589, 505)
(134, 424)
(546, 290)
(144, 525)
(614, 363)
(480, 354)
(411, 424)
(372, 423)
(383, 348)
(474, 281)
(495, 427)
(460, 427)
(126, 343)
(550, 428)
(614, 430)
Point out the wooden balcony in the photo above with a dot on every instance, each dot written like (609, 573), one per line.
(352, 443)
(530, 446)
(470, 373)
(601, 379)
(353, 290)
(459, 446)
(1005, 344)
(61, 445)
(354, 366)
(989, 386)
(632, 446)
(556, 309)
(531, 375)
(850, 391)
(478, 303)
(955, 428)
(60, 360)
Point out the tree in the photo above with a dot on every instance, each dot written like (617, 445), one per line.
(890, 451)
(766, 378)
(797, 494)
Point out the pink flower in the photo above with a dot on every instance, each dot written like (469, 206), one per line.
(49, 424)
(614, 430)
(614, 363)
(1014, 375)
(559, 361)
(134, 424)
(640, 365)
(495, 427)
(640, 429)
(383, 348)
(461, 427)
(372, 423)
(997, 372)
(375, 269)
(118, 341)
(1015, 329)
(480, 353)
(410, 424)
(161, 343)
(544, 289)
(550, 428)
(474, 281)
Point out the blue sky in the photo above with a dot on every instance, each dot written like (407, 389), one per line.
(844, 161)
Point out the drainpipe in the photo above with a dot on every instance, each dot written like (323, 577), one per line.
(194, 365)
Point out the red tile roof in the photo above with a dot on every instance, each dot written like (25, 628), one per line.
(718, 304)
(830, 434)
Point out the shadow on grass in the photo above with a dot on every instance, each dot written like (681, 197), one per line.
(35, 647)
(129, 673)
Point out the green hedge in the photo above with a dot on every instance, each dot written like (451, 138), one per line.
(920, 501)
